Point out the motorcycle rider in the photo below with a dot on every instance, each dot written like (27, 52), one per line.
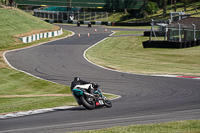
(79, 81)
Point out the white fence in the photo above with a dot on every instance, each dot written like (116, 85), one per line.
(41, 36)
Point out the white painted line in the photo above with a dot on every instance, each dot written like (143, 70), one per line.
(118, 96)
(31, 112)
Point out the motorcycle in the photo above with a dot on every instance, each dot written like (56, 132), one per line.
(90, 100)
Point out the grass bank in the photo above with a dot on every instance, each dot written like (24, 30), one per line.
(16, 23)
(127, 54)
(191, 126)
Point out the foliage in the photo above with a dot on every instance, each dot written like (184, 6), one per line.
(151, 8)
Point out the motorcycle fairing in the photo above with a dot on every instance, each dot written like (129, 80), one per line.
(77, 92)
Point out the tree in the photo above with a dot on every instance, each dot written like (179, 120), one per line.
(175, 5)
(184, 2)
(151, 7)
(164, 7)
(195, 5)
(10, 2)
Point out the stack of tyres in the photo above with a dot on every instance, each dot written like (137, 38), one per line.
(193, 43)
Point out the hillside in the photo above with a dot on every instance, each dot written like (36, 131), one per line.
(121, 17)
(16, 23)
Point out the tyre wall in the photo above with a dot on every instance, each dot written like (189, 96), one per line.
(170, 44)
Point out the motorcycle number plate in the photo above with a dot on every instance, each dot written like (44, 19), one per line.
(101, 102)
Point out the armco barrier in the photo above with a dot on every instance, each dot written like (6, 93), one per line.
(41, 36)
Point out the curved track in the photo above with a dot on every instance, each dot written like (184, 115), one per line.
(145, 99)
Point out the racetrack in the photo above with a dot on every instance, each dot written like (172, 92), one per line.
(145, 99)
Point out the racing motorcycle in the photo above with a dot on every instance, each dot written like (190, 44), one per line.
(90, 98)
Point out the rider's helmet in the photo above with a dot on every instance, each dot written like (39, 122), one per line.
(95, 86)
(77, 79)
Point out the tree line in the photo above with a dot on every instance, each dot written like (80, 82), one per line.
(163, 4)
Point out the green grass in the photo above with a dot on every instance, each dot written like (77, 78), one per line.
(17, 83)
(127, 54)
(191, 126)
(127, 32)
(31, 103)
(133, 27)
(16, 22)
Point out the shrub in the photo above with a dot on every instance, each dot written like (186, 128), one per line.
(151, 7)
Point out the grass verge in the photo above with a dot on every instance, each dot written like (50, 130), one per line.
(127, 32)
(190, 126)
(31, 103)
(18, 83)
(127, 54)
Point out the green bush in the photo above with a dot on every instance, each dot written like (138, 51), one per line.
(151, 7)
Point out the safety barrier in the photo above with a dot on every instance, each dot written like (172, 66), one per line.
(41, 36)
(170, 44)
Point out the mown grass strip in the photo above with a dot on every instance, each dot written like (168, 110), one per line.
(191, 126)
(127, 32)
(24, 104)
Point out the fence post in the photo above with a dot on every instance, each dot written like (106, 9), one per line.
(194, 31)
(179, 32)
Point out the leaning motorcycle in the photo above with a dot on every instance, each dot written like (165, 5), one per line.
(90, 100)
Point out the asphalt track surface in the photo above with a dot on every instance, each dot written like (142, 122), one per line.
(145, 99)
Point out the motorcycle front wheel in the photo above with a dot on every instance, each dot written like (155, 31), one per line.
(108, 103)
(86, 103)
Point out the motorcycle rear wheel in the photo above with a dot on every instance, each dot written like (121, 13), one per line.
(86, 104)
